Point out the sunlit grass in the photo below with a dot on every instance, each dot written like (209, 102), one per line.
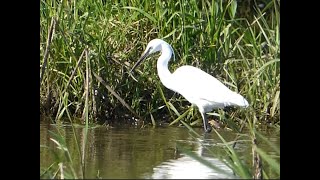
(243, 54)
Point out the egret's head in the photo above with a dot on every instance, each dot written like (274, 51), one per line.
(153, 46)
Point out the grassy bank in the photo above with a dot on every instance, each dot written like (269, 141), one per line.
(79, 38)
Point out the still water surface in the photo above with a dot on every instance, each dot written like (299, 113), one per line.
(144, 153)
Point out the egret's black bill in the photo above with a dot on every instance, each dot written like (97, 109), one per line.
(143, 56)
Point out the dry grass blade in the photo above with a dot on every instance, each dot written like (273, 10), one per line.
(85, 110)
(85, 114)
(74, 70)
(257, 163)
(61, 170)
(49, 40)
(117, 96)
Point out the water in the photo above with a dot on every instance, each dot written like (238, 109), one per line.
(149, 153)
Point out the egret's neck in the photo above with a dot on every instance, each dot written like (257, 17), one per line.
(162, 65)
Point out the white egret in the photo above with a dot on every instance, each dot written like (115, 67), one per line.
(198, 87)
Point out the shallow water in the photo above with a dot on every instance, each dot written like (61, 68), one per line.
(142, 153)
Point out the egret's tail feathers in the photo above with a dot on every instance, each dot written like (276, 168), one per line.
(239, 100)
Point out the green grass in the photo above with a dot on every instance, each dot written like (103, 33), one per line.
(243, 54)
(88, 47)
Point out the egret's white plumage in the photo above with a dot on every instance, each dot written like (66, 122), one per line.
(198, 87)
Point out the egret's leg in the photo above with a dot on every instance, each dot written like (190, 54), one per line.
(206, 125)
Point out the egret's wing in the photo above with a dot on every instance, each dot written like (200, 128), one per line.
(193, 83)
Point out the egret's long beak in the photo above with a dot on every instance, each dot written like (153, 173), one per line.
(143, 56)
